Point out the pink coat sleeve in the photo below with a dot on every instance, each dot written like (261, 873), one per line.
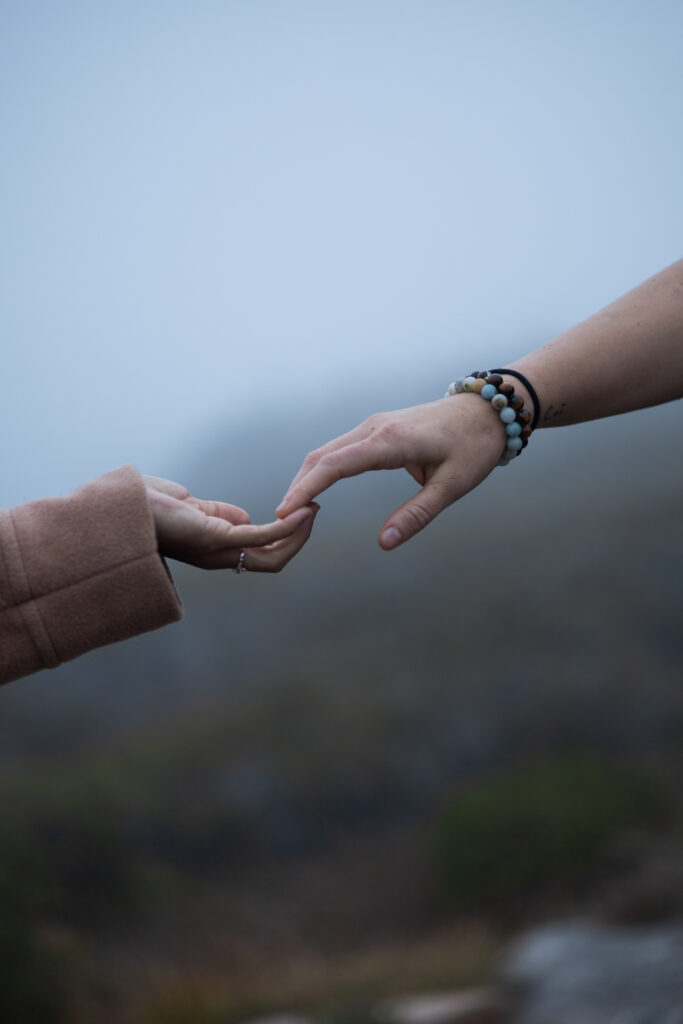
(80, 572)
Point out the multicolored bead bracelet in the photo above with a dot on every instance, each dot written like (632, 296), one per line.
(530, 388)
(515, 418)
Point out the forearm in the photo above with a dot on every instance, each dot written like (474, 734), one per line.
(627, 356)
(79, 572)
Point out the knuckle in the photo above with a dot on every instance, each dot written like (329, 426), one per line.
(330, 461)
(389, 432)
(375, 422)
(417, 515)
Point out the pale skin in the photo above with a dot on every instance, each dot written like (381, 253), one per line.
(212, 534)
(627, 356)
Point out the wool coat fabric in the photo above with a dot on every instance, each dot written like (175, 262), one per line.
(80, 572)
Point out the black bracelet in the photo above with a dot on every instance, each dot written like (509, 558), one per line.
(527, 385)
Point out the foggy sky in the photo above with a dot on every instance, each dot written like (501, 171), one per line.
(214, 211)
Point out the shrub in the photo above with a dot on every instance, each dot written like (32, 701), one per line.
(537, 824)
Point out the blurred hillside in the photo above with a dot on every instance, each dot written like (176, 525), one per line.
(548, 599)
(268, 777)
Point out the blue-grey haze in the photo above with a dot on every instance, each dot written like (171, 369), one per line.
(212, 212)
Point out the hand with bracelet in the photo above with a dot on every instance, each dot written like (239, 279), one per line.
(627, 356)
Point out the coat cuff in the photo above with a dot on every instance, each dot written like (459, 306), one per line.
(80, 572)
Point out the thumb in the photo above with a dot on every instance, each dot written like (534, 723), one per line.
(414, 514)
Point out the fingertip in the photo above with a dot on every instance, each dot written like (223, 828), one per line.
(299, 517)
(282, 510)
(390, 538)
(305, 519)
(309, 515)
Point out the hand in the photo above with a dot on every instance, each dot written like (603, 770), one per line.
(448, 446)
(211, 534)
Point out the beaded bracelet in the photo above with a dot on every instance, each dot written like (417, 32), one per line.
(509, 406)
(530, 388)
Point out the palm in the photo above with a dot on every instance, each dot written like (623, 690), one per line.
(211, 534)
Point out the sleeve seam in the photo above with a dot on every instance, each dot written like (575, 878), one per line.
(91, 576)
(44, 645)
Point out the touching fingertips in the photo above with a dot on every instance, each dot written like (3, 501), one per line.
(391, 538)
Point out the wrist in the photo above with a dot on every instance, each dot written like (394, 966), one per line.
(507, 402)
(520, 391)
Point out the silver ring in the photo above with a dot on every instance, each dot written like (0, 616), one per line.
(240, 567)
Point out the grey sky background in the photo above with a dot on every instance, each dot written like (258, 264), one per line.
(216, 212)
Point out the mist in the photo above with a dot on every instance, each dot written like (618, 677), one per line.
(217, 213)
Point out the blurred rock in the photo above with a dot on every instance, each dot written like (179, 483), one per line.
(473, 1006)
(581, 974)
(647, 887)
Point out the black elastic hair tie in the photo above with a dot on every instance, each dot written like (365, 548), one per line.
(527, 385)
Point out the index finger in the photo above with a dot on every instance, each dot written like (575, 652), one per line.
(351, 460)
(248, 536)
(314, 457)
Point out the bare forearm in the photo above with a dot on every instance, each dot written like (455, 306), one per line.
(627, 356)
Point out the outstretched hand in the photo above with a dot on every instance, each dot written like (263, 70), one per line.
(211, 534)
(448, 447)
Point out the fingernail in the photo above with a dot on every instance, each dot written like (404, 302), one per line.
(391, 537)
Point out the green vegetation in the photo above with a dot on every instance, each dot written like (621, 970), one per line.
(200, 830)
(536, 824)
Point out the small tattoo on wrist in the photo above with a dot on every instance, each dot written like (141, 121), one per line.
(552, 413)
